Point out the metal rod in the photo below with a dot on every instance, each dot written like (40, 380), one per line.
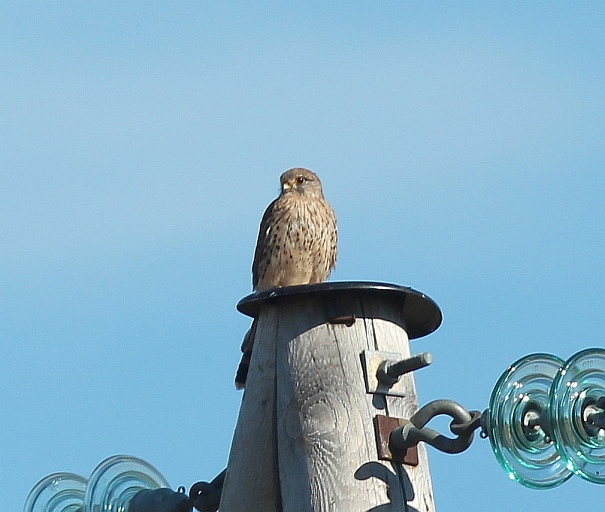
(389, 372)
(536, 422)
(594, 414)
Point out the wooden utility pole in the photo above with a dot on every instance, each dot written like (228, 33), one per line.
(306, 439)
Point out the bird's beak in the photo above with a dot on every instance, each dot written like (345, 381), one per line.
(286, 186)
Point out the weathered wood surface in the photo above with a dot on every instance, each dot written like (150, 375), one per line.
(391, 337)
(323, 456)
(251, 483)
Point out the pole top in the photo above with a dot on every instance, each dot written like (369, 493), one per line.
(421, 314)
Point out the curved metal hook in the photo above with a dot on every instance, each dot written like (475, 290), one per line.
(463, 424)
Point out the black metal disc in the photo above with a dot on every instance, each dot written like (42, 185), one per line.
(421, 314)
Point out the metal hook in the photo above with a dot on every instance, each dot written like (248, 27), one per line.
(389, 371)
(463, 424)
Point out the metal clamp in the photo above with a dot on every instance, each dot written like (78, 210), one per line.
(383, 370)
(206, 496)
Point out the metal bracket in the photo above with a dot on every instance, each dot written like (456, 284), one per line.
(206, 496)
(384, 425)
(372, 360)
(383, 370)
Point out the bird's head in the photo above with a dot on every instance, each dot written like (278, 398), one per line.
(301, 181)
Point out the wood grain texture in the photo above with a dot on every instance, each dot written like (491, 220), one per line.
(305, 439)
(389, 336)
(251, 483)
(326, 442)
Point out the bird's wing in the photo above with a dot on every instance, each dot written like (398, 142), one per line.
(261, 242)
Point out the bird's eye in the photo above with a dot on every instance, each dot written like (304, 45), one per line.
(300, 180)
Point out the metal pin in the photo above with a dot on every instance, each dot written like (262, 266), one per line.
(593, 416)
(389, 371)
(347, 320)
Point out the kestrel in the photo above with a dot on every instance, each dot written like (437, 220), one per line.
(296, 244)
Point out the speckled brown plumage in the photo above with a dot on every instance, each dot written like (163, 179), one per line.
(296, 243)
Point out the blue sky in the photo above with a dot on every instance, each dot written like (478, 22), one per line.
(461, 145)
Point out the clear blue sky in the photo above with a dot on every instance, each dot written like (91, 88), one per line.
(461, 145)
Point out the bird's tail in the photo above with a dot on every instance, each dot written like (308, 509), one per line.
(244, 364)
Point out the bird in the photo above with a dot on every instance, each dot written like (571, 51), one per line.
(297, 244)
